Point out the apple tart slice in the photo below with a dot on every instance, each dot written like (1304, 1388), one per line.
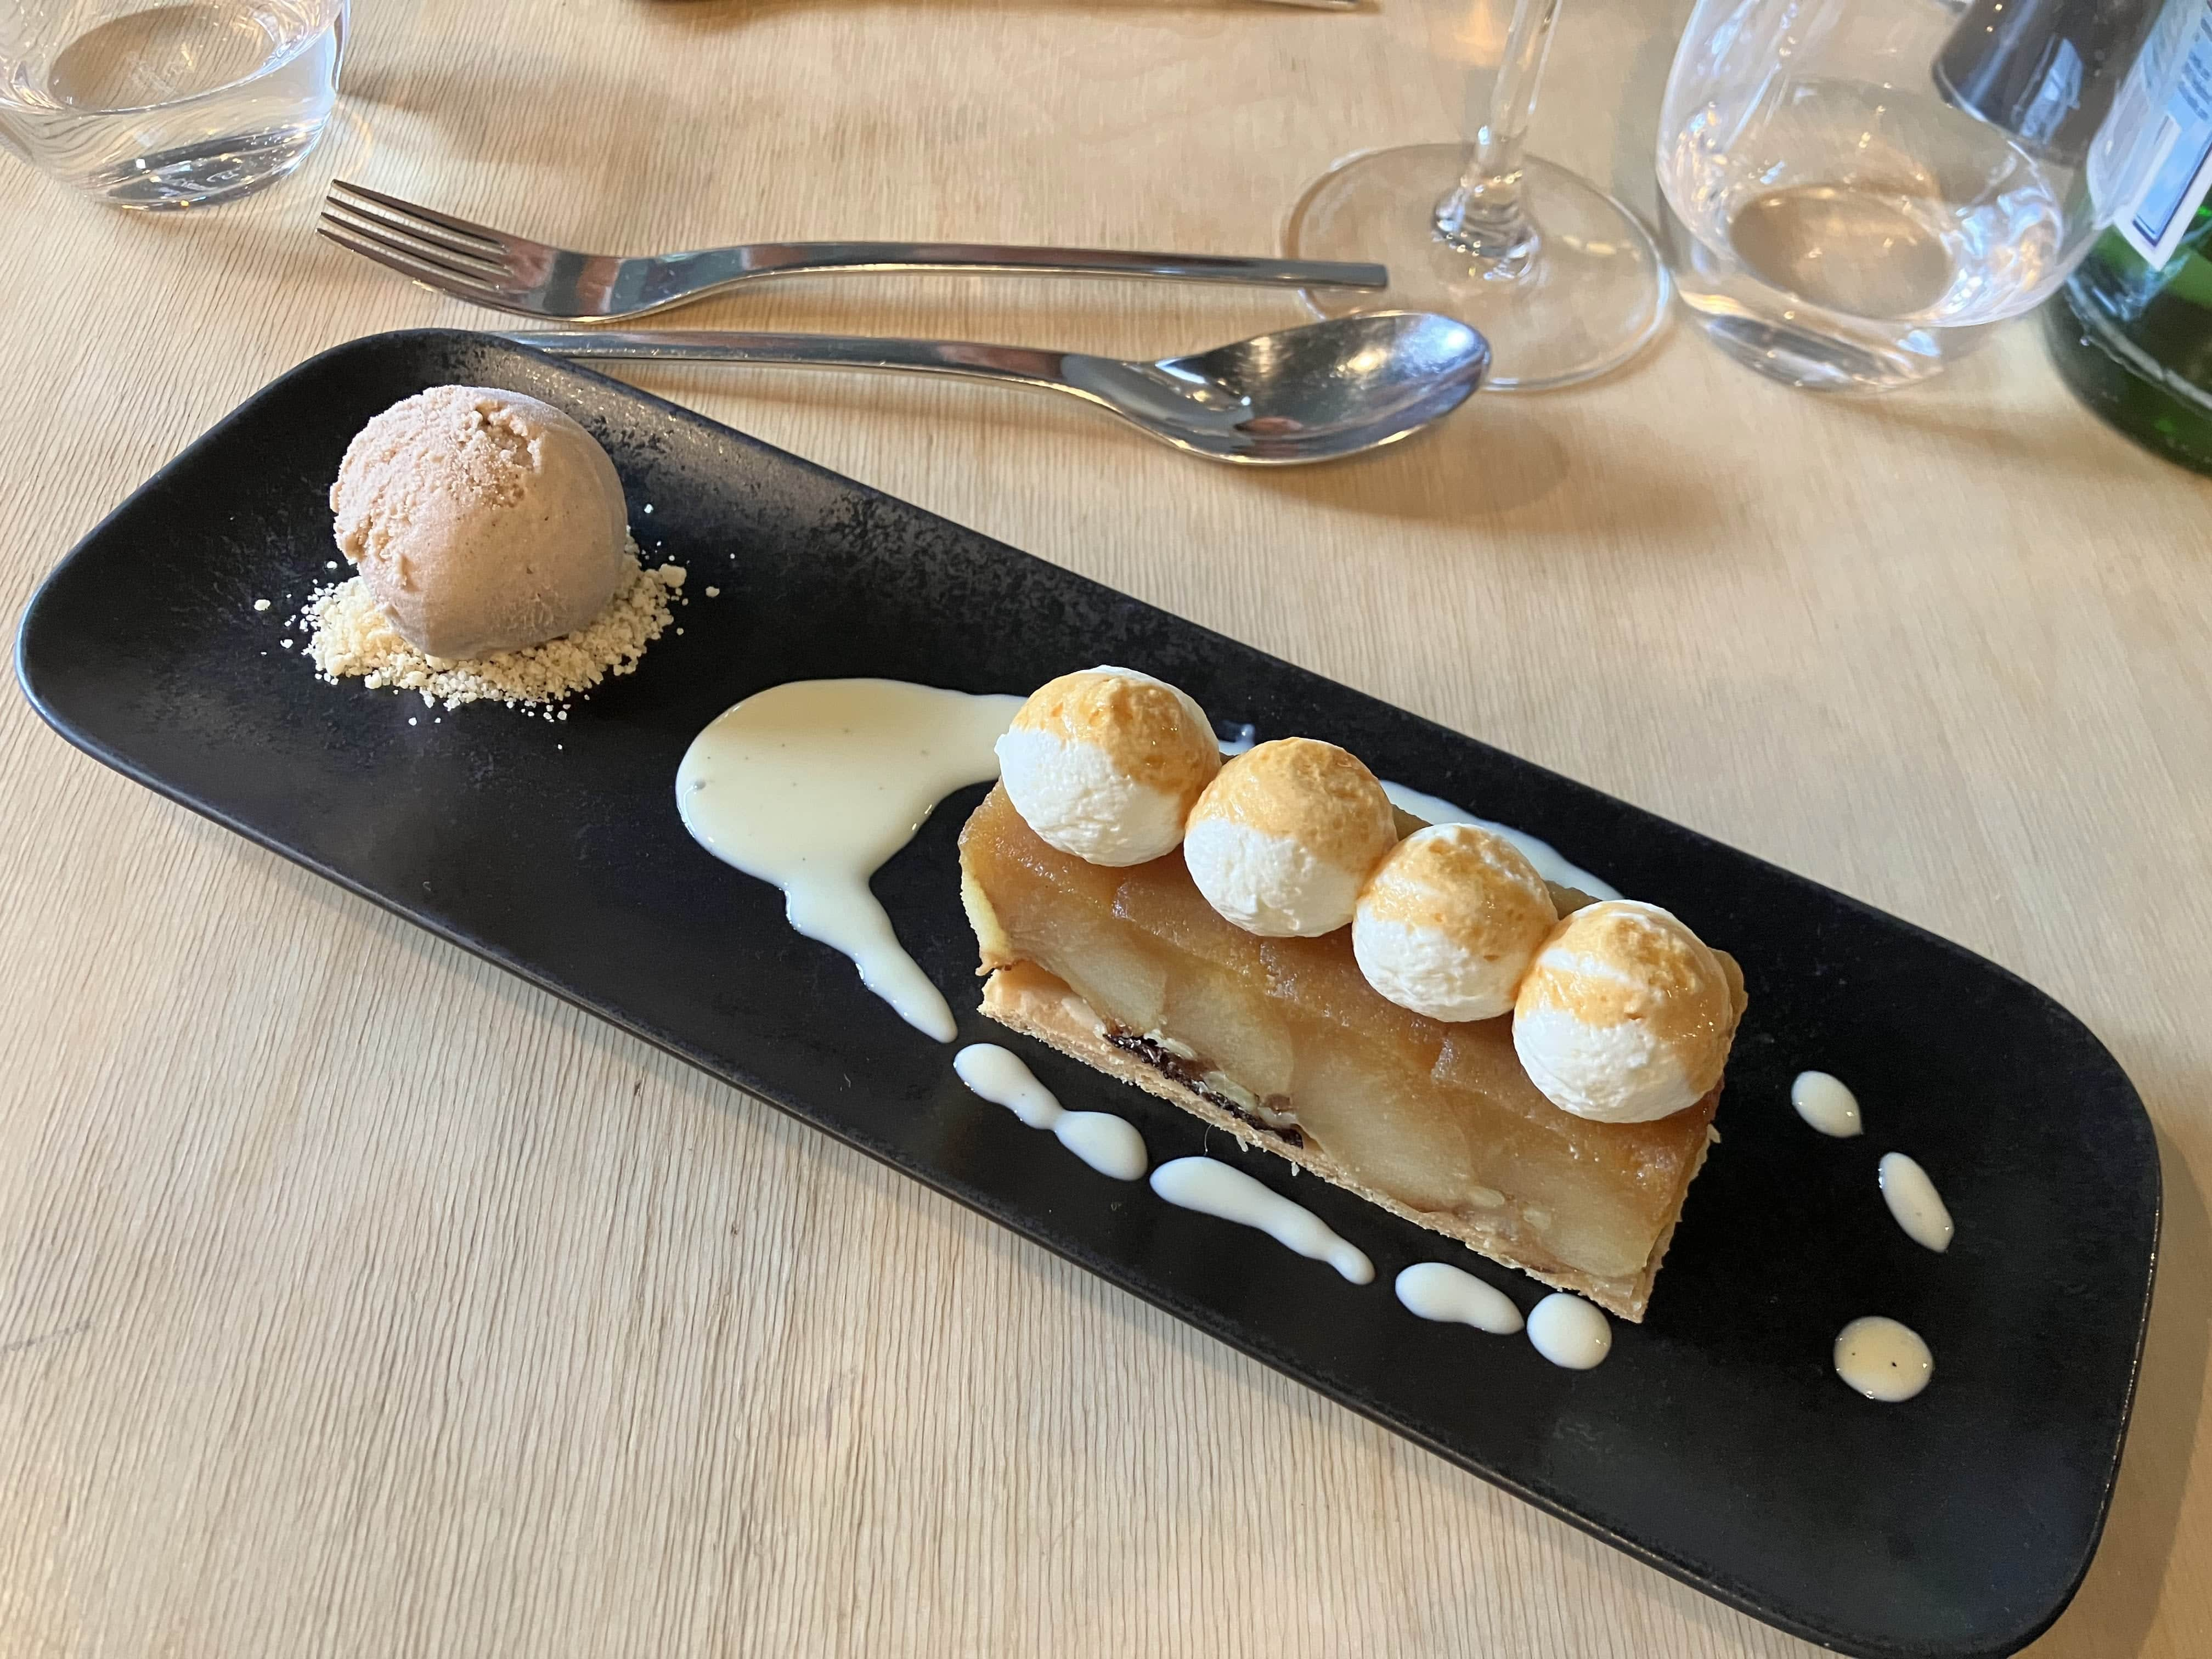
(1281, 1040)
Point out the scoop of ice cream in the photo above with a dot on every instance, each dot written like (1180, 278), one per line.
(481, 520)
(1450, 921)
(1626, 1015)
(1282, 840)
(1106, 764)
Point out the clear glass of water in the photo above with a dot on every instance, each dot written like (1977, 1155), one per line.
(1834, 215)
(169, 105)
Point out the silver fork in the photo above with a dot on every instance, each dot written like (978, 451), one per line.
(513, 273)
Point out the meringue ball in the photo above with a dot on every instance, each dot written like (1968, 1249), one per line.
(1449, 922)
(1626, 1015)
(1281, 842)
(1106, 764)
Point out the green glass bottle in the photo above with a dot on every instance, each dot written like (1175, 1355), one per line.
(2136, 344)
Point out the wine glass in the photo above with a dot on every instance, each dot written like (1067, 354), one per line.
(1558, 276)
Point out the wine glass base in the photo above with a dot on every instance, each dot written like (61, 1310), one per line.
(1594, 295)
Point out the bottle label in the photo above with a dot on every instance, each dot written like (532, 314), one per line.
(2151, 167)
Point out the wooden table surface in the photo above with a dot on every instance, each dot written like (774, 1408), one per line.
(356, 1298)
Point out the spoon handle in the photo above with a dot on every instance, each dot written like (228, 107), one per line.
(1022, 364)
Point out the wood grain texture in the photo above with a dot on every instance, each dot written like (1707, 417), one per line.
(355, 1298)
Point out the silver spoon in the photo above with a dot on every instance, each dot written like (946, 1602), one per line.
(1311, 393)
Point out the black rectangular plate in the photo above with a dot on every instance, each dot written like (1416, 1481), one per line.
(1717, 1444)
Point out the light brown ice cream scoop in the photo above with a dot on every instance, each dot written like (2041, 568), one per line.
(481, 520)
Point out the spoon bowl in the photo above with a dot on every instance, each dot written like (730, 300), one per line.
(1316, 392)
(1305, 394)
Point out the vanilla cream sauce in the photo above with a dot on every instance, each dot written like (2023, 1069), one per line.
(1550, 862)
(1569, 1332)
(1882, 1359)
(1438, 1291)
(1914, 1202)
(1825, 1103)
(1107, 1144)
(1214, 1188)
(814, 784)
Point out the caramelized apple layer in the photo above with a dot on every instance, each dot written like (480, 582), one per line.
(1288, 1034)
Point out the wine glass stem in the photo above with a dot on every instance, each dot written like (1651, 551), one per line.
(1483, 215)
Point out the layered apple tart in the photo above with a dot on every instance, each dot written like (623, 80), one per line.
(1408, 1011)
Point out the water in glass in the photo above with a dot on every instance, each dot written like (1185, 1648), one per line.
(168, 105)
(1829, 218)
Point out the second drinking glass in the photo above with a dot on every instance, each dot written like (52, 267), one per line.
(1853, 187)
(168, 105)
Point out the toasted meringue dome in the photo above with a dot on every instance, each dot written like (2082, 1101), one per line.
(1106, 764)
(1282, 841)
(1625, 1016)
(1450, 921)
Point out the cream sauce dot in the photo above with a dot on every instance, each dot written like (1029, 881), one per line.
(1882, 1359)
(1568, 1331)
(1823, 1102)
(1914, 1202)
(1438, 1291)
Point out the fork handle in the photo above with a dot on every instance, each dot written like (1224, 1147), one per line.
(1024, 364)
(690, 274)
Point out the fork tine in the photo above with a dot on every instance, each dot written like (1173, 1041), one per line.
(432, 265)
(497, 238)
(411, 240)
(365, 214)
(418, 271)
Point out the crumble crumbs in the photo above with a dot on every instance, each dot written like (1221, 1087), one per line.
(350, 637)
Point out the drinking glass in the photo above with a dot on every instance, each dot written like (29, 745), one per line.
(1853, 188)
(1559, 277)
(168, 105)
